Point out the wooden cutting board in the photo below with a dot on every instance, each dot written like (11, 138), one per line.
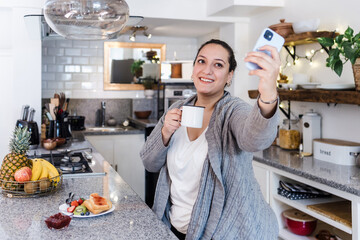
(337, 211)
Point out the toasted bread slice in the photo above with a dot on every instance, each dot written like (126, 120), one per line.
(97, 204)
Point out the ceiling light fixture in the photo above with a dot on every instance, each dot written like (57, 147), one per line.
(138, 28)
(133, 36)
(86, 19)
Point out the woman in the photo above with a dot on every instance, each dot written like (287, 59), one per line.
(206, 187)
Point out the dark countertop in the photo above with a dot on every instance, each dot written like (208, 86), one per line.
(344, 178)
(145, 123)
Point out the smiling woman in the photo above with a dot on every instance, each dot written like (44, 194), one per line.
(118, 58)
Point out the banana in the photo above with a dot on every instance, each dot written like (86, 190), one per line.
(45, 171)
(36, 169)
(53, 172)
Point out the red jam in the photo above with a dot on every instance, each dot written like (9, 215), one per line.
(58, 221)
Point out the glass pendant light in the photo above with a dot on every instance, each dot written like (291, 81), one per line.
(86, 19)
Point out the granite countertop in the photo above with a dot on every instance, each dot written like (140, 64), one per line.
(145, 123)
(23, 218)
(344, 178)
(116, 130)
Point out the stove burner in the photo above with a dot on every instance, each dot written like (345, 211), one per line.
(71, 167)
(69, 164)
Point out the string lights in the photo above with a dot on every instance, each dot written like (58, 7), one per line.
(309, 55)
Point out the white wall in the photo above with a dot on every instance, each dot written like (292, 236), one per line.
(340, 121)
(20, 73)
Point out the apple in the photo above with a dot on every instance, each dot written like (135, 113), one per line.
(23, 174)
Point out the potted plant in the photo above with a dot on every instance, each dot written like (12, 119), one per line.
(148, 84)
(343, 48)
(136, 68)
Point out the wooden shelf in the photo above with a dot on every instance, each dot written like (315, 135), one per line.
(316, 95)
(307, 37)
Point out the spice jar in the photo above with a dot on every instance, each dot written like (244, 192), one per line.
(289, 134)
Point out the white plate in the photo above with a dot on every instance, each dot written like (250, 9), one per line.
(309, 85)
(63, 209)
(337, 86)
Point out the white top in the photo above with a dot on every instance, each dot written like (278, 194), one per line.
(185, 160)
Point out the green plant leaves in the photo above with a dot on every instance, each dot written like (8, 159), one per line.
(349, 33)
(326, 42)
(338, 67)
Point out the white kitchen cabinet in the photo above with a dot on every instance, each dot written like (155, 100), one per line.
(122, 151)
(279, 203)
(262, 176)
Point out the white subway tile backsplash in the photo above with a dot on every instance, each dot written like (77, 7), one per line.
(48, 76)
(55, 85)
(56, 52)
(64, 43)
(55, 68)
(48, 60)
(73, 52)
(48, 43)
(96, 77)
(64, 60)
(63, 77)
(100, 69)
(88, 69)
(72, 68)
(72, 85)
(89, 52)
(44, 68)
(97, 44)
(96, 60)
(81, 60)
(88, 85)
(80, 76)
(80, 44)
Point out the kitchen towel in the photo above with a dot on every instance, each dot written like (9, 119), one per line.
(298, 191)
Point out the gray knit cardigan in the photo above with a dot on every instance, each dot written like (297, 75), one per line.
(229, 203)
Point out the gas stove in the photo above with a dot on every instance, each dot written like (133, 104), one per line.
(71, 163)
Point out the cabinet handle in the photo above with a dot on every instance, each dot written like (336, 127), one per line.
(116, 167)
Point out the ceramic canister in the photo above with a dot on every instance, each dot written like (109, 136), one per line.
(311, 127)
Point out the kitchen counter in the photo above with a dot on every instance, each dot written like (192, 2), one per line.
(23, 218)
(344, 178)
(145, 123)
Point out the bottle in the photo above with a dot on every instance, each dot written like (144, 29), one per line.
(289, 134)
(311, 128)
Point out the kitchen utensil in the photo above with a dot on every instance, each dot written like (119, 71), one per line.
(31, 115)
(26, 112)
(66, 104)
(298, 222)
(62, 100)
(49, 144)
(283, 28)
(54, 101)
(336, 151)
(337, 211)
(192, 116)
(22, 116)
(311, 128)
(66, 151)
(310, 25)
(51, 110)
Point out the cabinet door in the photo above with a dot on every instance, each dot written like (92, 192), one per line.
(262, 176)
(128, 163)
(104, 145)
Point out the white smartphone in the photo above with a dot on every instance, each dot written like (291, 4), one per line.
(267, 37)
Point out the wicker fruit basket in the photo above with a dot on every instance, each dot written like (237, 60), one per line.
(31, 188)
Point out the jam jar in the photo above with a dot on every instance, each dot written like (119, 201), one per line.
(289, 134)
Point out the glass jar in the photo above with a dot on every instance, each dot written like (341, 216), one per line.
(289, 134)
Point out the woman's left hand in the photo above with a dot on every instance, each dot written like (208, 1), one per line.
(268, 75)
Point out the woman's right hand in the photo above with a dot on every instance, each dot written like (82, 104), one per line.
(171, 124)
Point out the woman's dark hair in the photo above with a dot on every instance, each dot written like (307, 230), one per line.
(232, 61)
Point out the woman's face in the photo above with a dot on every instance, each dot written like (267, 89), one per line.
(211, 70)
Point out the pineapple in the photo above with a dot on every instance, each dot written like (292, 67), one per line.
(19, 144)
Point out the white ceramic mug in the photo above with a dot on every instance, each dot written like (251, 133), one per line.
(192, 116)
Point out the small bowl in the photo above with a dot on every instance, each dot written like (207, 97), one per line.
(49, 144)
(142, 114)
(60, 141)
(298, 222)
(283, 28)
